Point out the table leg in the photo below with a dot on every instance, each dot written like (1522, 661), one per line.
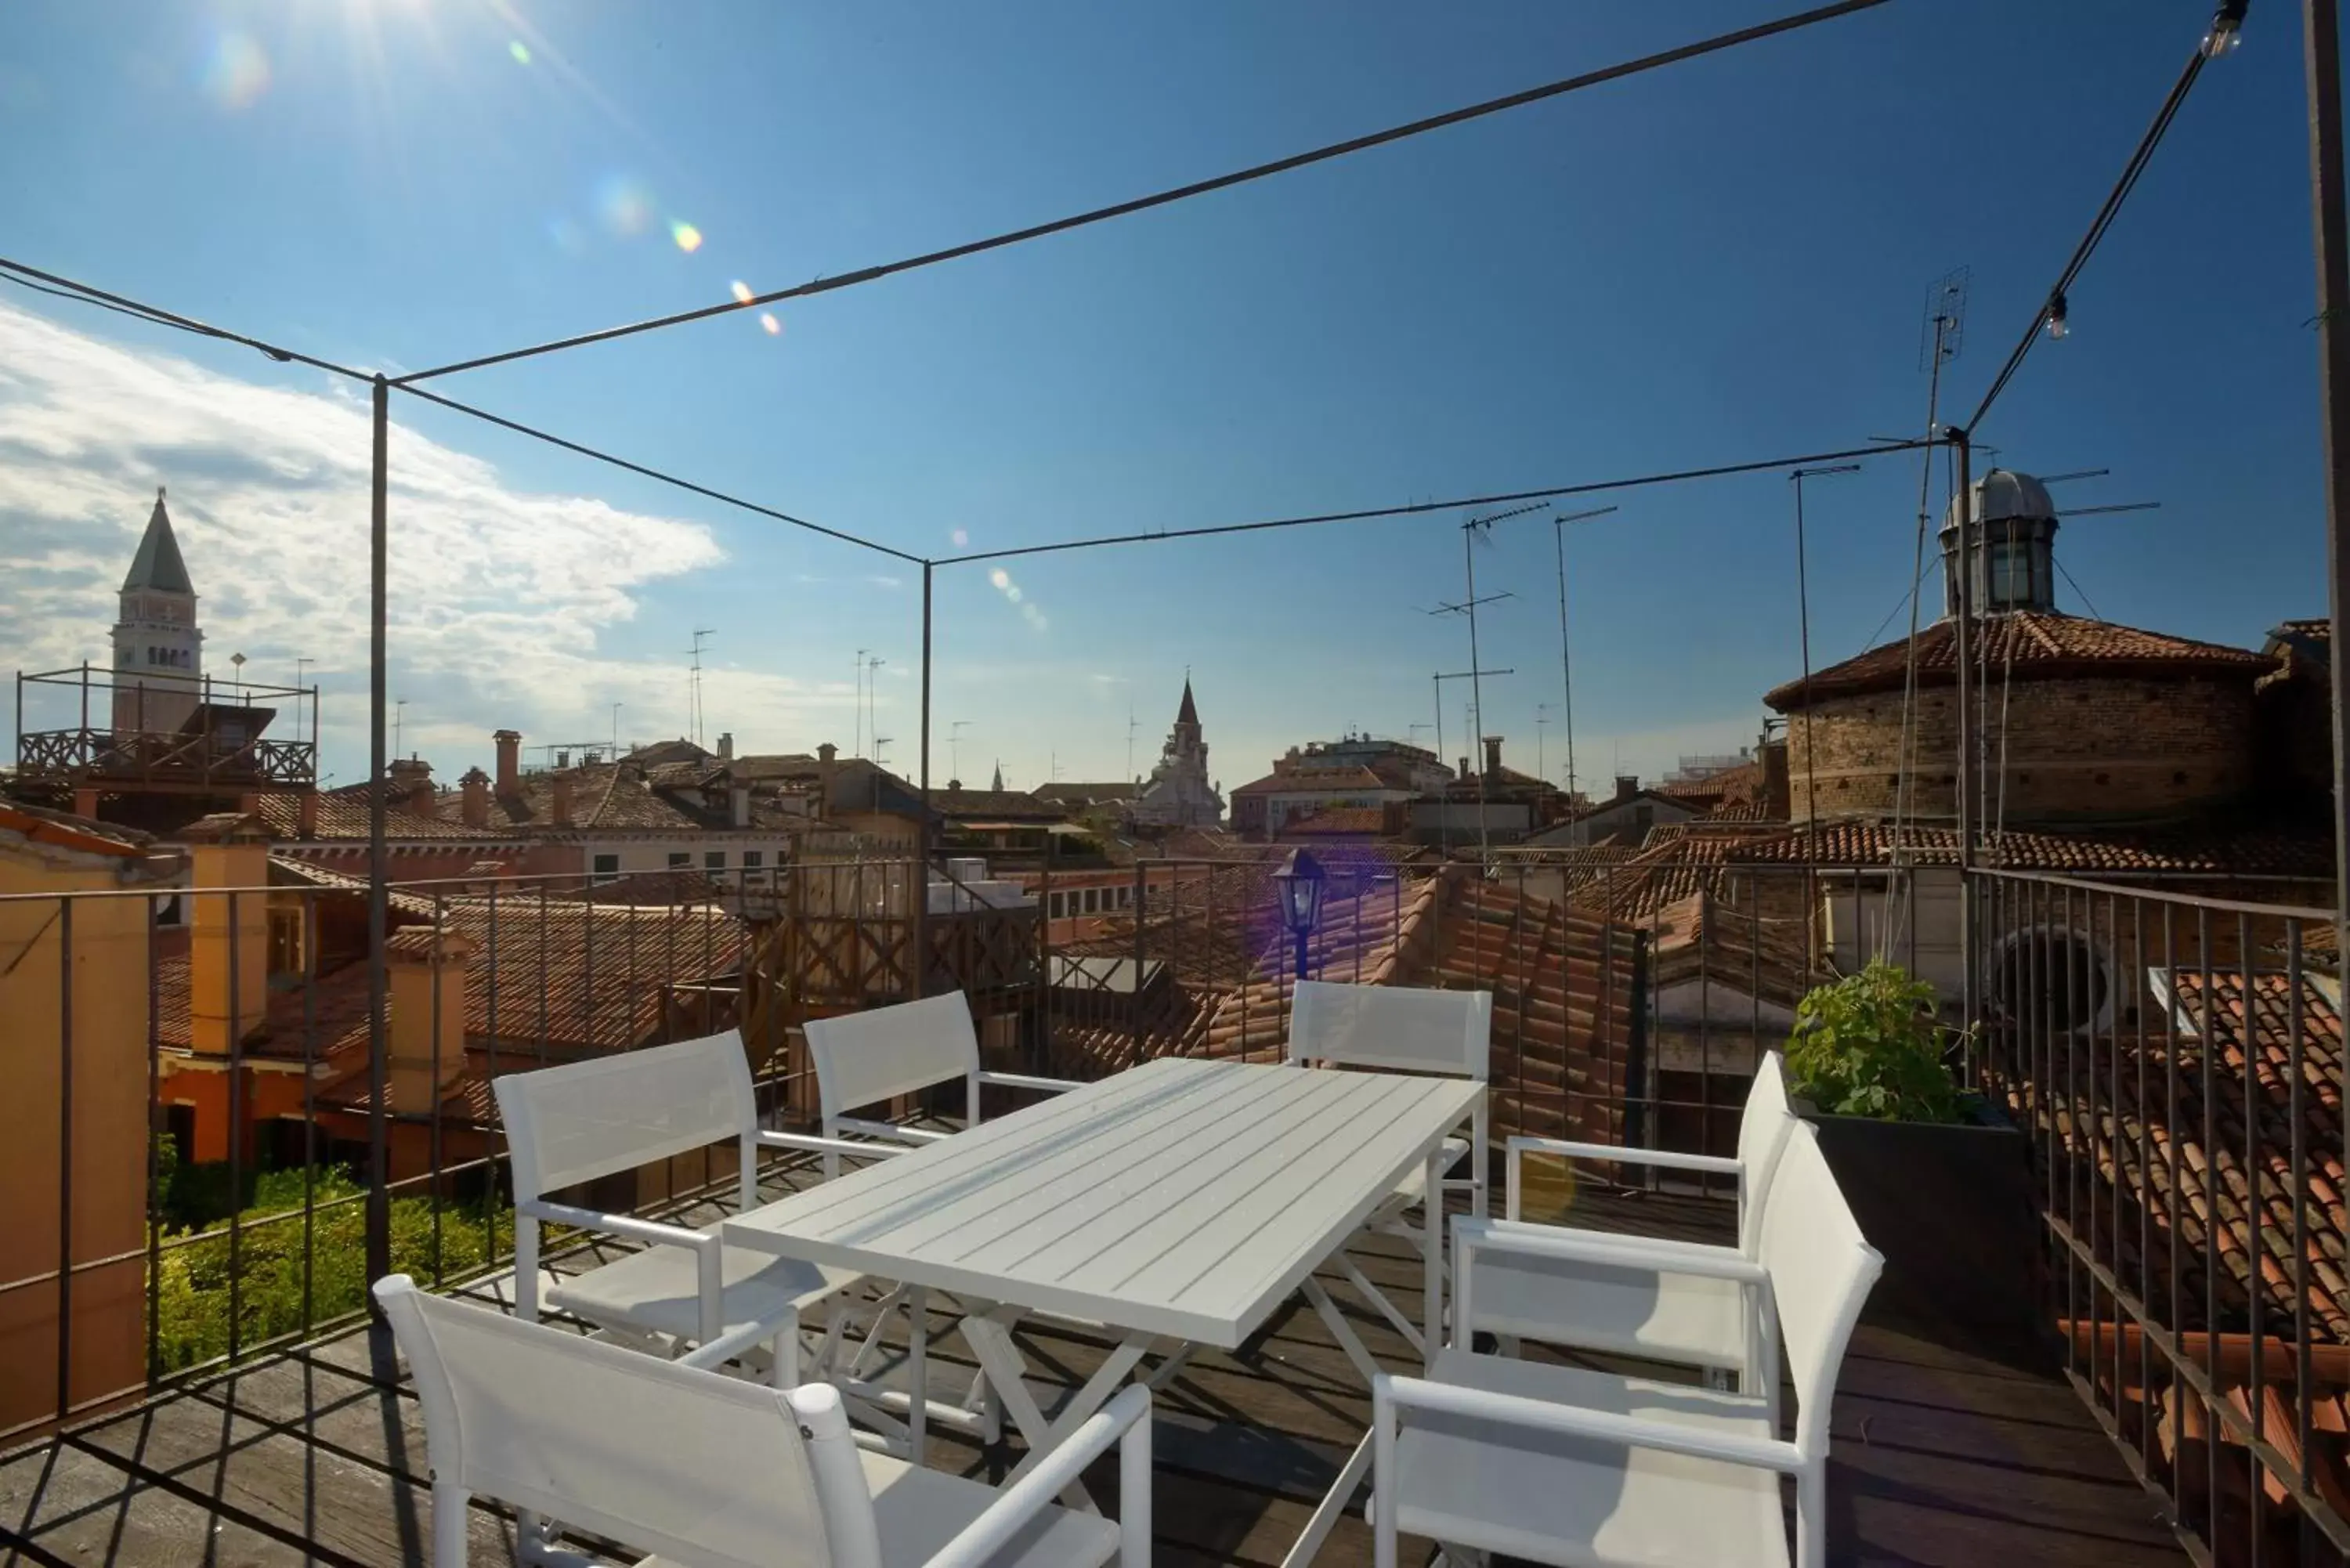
(1432, 1319)
(989, 1335)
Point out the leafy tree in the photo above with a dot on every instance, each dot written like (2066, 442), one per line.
(193, 1289)
(1868, 1046)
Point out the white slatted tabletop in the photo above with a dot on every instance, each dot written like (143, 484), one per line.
(1183, 1199)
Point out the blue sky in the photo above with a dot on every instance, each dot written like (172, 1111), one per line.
(1723, 261)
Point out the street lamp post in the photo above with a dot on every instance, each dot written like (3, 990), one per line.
(1300, 882)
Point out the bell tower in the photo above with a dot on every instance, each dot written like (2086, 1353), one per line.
(158, 647)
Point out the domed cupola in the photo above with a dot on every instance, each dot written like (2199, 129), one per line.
(2012, 546)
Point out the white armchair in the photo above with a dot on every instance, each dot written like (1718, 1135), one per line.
(673, 1458)
(1561, 1464)
(1655, 1297)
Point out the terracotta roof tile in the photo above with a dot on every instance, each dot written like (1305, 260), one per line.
(2175, 850)
(2028, 644)
(343, 815)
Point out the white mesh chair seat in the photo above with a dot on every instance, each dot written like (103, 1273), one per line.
(1569, 1500)
(657, 1290)
(919, 1510)
(1633, 1309)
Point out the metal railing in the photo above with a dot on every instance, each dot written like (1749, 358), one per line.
(195, 1157)
(2177, 1060)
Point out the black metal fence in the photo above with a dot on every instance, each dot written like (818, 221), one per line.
(2179, 1061)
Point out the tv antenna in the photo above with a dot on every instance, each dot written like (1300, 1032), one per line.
(694, 710)
(954, 747)
(1942, 330)
(1130, 727)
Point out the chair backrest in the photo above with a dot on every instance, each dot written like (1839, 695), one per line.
(1763, 1130)
(700, 1468)
(1403, 1027)
(862, 1058)
(586, 1119)
(1821, 1269)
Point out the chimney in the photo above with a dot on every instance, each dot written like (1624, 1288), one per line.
(1465, 774)
(411, 784)
(306, 818)
(1493, 756)
(509, 761)
(738, 805)
(228, 942)
(560, 808)
(726, 747)
(1626, 786)
(1777, 804)
(428, 1019)
(824, 756)
(476, 805)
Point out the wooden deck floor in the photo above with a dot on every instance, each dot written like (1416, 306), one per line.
(316, 1455)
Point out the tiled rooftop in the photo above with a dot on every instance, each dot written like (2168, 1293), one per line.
(2027, 644)
(2206, 852)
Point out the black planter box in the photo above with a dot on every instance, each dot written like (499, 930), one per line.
(1952, 1207)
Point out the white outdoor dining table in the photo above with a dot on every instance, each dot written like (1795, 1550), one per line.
(1181, 1200)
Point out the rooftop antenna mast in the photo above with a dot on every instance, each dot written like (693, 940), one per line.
(1476, 531)
(1558, 524)
(856, 724)
(1130, 727)
(954, 748)
(1941, 334)
(693, 684)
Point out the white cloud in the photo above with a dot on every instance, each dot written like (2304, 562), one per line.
(500, 600)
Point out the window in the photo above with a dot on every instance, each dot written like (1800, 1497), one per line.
(754, 858)
(713, 860)
(2010, 574)
(607, 867)
(1093, 900)
(679, 858)
(286, 942)
(1054, 905)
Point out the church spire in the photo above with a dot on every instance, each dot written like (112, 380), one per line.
(1188, 713)
(158, 567)
(998, 786)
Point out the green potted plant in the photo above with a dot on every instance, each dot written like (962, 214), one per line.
(1939, 1181)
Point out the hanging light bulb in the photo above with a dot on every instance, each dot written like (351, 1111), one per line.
(2056, 324)
(2226, 29)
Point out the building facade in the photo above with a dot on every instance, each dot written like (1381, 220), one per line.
(1179, 793)
(159, 650)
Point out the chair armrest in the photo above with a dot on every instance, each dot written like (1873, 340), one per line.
(1719, 1165)
(809, 1143)
(1471, 1235)
(1390, 1394)
(728, 1346)
(1022, 1502)
(1025, 1081)
(649, 1231)
(889, 1131)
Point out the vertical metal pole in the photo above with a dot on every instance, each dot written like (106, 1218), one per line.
(1566, 662)
(379, 1194)
(65, 1157)
(1965, 503)
(1476, 694)
(2322, 52)
(1443, 816)
(922, 891)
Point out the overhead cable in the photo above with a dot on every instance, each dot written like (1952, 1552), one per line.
(1178, 193)
(1588, 488)
(67, 288)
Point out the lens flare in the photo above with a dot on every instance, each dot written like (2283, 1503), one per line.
(519, 50)
(687, 237)
(767, 319)
(741, 292)
(626, 206)
(959, 536)
(999, 578)
(567, 235)
(237, 72)
(1012, 594)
